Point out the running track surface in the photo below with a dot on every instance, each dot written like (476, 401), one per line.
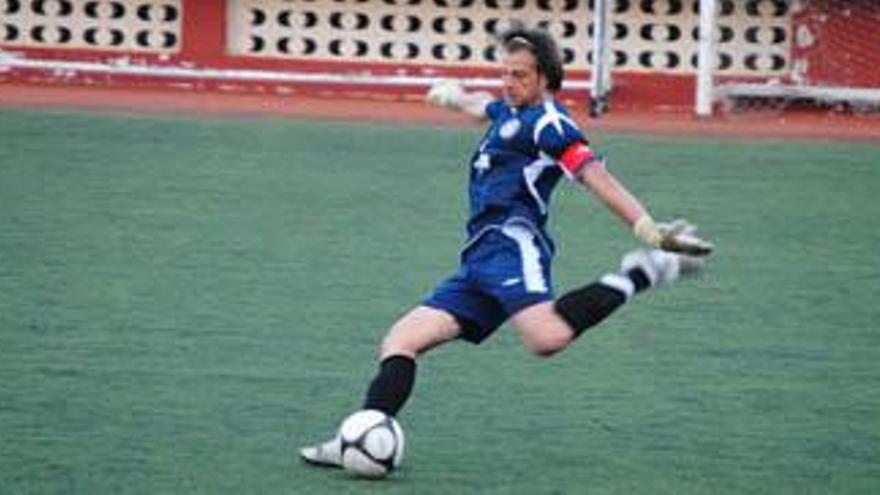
(746, 124)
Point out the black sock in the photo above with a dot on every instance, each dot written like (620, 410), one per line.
(585, 307)
(391, 387)
(639, 279)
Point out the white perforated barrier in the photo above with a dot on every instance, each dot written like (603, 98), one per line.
(752, 37)
(646, 36)
(389, 43)
(402, 31)
(140, 26)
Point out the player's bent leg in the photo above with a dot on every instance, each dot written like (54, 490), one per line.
(587, 306)
(542, 331)
(641, 269)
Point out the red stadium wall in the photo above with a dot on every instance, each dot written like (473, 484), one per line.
(835, 44)
(203, 46)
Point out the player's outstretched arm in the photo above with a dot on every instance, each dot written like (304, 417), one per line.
(449, 93)
(675, 237)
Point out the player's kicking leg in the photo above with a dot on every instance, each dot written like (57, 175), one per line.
(547, 328)
(640, 270)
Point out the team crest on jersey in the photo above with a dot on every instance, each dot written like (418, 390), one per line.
(509, 129)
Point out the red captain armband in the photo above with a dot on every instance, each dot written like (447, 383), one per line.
(576, 156)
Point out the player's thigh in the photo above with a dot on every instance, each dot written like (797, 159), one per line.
(542, 330)
(418, 331)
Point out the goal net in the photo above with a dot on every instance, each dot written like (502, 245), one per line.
(772, 55)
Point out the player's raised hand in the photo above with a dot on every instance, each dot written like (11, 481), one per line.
(445, 93)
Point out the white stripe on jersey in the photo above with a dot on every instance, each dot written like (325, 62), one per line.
(533, 276)
(552, 116)
(532, 172)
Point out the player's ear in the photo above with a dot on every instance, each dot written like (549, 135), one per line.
(542, 81)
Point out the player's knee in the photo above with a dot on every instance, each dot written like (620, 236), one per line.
(546, 344)
(394, 346)
(416, 333)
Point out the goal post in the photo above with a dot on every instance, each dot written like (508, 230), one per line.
(705, 57)
(600, 76)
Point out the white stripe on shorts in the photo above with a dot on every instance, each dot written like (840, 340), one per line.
(533, 276)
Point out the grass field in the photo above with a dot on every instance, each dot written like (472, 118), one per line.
(184, 302)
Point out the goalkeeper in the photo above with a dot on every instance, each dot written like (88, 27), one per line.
(531, 143)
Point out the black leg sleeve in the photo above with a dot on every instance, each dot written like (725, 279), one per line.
(391, 387)
(585, 307)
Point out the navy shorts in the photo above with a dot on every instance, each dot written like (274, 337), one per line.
(504, 271)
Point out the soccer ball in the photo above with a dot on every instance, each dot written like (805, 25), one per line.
(372, 444)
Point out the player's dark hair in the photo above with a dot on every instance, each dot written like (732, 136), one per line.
(542, 45)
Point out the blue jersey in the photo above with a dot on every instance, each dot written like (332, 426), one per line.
(515, 169)
(505, 265)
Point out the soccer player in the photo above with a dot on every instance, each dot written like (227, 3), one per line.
(505, 264)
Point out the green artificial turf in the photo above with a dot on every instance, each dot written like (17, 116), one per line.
(184, 302)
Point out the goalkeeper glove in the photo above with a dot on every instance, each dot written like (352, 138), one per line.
(677, 236)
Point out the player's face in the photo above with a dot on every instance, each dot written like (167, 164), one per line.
(522, 83)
